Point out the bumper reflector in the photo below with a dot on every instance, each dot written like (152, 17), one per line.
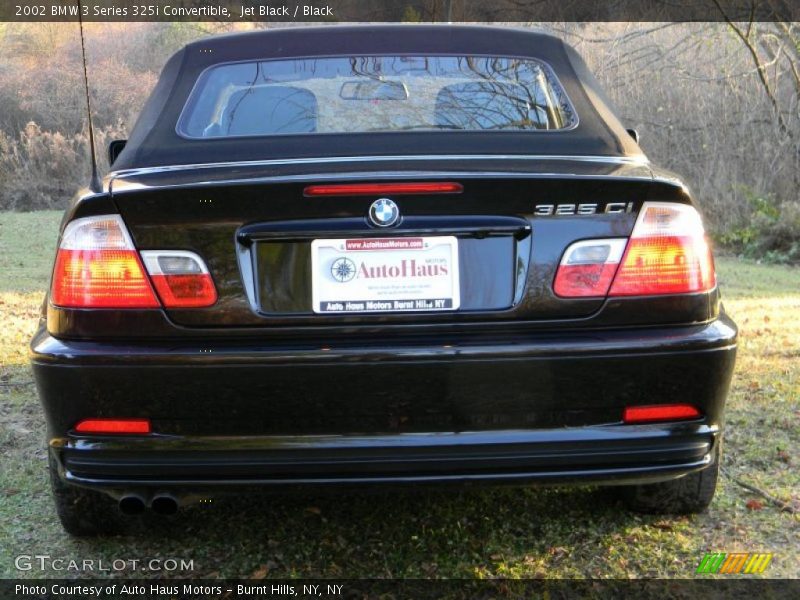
(659, 412)
(113, 426)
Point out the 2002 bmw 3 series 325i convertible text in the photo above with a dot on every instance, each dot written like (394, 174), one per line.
(380, 255)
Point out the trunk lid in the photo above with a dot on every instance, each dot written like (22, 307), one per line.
(257, 230)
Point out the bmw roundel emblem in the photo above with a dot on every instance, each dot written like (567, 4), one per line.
(384, 213)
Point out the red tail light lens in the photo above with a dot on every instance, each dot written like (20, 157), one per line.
(185, 291)
(181, 278)
(659, 412)
(114, 426)
(667, 254)
(98, 267)
(587, 268)
(377, 189)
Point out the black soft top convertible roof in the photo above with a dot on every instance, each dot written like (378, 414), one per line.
(154, 141)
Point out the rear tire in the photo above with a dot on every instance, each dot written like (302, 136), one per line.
(687, 495)
(83, 512)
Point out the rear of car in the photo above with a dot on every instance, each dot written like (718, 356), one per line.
(498, 287)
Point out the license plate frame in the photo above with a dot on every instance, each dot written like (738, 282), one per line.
(385, 275)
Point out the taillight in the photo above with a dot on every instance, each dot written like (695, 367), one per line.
(667, 254)
(587, 268)
(659, 412)
(181, 278)
(114, 426)
(97, 266)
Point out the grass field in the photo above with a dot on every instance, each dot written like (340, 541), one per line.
(477, 533)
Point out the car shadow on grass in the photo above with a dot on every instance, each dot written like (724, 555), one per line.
(401, 533)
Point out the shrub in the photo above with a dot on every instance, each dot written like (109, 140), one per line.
(772, 233)
(43, 169)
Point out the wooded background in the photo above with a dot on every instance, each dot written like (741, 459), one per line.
(718, 103)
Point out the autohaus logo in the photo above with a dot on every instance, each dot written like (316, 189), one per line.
(406, 268)
(343, 269)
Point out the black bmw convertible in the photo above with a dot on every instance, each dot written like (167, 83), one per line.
(380, 255)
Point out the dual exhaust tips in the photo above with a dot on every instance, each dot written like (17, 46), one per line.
(161, 504)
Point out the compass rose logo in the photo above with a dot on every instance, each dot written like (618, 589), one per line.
(343, 269)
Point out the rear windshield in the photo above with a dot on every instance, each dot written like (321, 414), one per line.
(361, 94)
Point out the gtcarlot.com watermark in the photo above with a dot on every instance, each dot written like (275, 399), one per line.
(45, 562)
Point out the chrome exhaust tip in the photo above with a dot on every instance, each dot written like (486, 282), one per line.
(164, 504)
(131, 504)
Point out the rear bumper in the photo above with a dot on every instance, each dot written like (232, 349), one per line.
(537, 408)
(612, 454)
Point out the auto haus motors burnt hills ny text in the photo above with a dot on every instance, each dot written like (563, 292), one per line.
(186, 589)
(154, 10)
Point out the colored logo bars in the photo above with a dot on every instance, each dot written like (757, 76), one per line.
(734, 562)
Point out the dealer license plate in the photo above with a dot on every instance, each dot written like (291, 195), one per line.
(402, 274)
